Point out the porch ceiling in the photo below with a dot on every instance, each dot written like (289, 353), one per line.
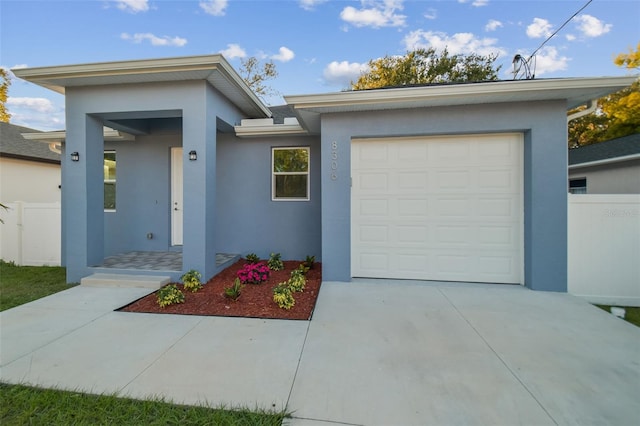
(212, 68)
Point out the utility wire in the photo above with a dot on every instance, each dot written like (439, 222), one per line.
(558, 30)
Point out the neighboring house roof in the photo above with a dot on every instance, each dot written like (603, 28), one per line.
(614, 150)
(14, 145)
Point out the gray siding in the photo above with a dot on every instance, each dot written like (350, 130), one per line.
(615, 178)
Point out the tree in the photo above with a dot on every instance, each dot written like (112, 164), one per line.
(426, 66)
(5, 82)
(256, 74)
(629, 60)
(618, 114)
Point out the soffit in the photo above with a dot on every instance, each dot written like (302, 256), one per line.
(212, 68)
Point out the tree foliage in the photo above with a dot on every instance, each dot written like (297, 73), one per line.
(618, 114)
(629, 60)
(426, 66)
(256, 74)
(5, 82)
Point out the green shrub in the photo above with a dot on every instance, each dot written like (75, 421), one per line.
(191, 280)
(169, 295)
(283, 297)
(297, 281)
(234, 291)
(275, 262)
(252, 258)
(302, 269)
(309, 262)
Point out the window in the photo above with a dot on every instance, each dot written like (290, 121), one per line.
(578, 186)
(290, 169)
(109, 166)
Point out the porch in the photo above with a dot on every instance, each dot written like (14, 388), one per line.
(169, 261)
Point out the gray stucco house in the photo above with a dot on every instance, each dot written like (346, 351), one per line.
(461, 182)
(610, 167)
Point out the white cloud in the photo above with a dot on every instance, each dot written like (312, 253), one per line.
(154, 40)
(570, 37)
(284, 55)
(539, 28)
(590, 26)
(431, 13)
(375, 14)
(214, 7)
(310, 4)
(133, 6)
(493, 25)
(459, 43)
(343, 73)
(548, 60)
(34, 104)
(476, 3)
(233, 51)
(36, 113)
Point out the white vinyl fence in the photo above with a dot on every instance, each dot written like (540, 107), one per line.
(31, 234)
(604, 248)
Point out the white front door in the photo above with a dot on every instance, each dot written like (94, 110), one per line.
(176, 197)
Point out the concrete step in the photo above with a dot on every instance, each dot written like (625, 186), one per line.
(120, 280)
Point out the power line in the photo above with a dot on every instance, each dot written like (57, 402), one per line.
(558, 30)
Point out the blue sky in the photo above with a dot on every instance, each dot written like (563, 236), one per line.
(318, 45)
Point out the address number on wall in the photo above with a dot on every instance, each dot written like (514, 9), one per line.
(334, 160)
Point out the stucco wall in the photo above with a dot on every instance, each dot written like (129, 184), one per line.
(615, 178)
(142, 195)
(29, 181)
(545, 172)
(247, 219)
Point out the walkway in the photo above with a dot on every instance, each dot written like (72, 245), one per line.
(154, 260)
(375, 353)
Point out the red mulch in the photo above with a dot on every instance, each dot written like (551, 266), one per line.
(256, 300)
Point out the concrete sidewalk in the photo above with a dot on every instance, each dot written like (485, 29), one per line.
(376, 352)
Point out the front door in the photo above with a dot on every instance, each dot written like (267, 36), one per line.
(176, 196)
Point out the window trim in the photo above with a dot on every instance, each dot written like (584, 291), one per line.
(274, 173)
(110, 151)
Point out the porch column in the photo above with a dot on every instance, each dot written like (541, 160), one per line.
(199, 188)
(83, 194)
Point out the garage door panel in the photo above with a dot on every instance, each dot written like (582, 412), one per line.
(444, 208)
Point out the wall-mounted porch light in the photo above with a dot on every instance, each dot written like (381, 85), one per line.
(193, 156)
(75, 156)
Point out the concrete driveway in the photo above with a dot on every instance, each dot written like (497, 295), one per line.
(376, 353)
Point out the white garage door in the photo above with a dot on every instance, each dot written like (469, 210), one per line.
(444, 208)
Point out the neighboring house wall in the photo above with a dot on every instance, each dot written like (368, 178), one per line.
(247, 220)
(545, 174)
(613, 178)
(29, 181)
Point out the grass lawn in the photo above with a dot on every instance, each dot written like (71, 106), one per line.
(632, 315)
(21, 405)
(22, 284)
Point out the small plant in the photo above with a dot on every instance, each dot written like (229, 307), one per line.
(275, 262)
(302, 268)
(254, 273)
(309, 262)
(191, 280)
(252, 258)
(283, 297)
(297, 281)
(234, 291)
(169, 295)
